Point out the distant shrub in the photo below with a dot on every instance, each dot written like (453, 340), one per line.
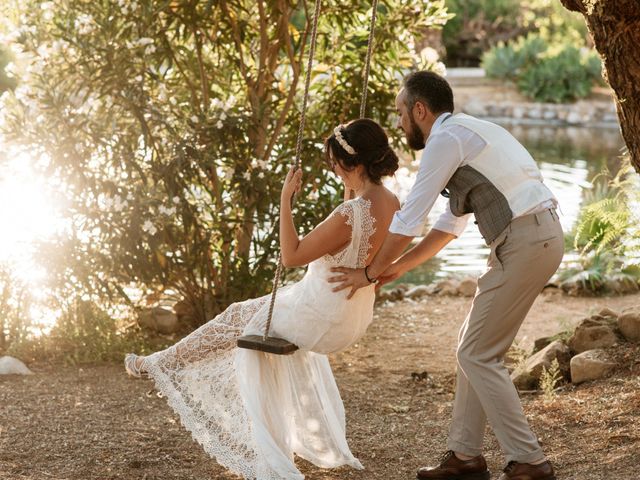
(546, 73)
(508, 60)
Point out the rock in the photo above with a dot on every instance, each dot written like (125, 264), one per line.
(607, 312)
(541, 343)
(447, 287)
(392, 295)
(629, 325)
(158, 319)
(527, 377)
(591, 334)
(418, 292)
(574, 118)
(590, 365)
(467, 287)
(622, 284)
(476, 108)
(13, 366)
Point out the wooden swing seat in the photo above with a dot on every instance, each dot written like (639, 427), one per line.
(279, 346)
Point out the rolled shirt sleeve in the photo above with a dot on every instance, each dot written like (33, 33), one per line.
(449, 223)
(441, 157)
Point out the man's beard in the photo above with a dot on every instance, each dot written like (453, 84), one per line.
(414, 136)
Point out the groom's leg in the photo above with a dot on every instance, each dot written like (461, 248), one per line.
(522, 260)
(466, 433)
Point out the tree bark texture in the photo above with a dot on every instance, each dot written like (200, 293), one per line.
(615, 28)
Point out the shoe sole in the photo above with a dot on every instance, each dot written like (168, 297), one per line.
(468, 476)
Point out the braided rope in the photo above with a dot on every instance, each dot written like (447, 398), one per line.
(312, 50)
(372, 26)
(303, 117)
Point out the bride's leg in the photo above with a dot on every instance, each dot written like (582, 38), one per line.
(213, 338)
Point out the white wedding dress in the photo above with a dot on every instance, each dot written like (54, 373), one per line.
(252, 411)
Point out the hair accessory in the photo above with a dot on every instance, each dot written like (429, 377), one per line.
(343, 143)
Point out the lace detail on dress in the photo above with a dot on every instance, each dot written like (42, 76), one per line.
(196, 375)
(366, 230)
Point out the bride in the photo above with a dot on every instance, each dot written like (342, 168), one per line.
(250, 410)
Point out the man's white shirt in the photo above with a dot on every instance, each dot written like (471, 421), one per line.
(447, 148)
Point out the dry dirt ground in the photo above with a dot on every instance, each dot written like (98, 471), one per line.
(94, 422)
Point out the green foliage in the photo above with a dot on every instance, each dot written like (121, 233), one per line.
(169, 127)
(606, 234)
(560, 78)
(84, 333)
(479, 25)
(15, 301)
(544, 72)
(508, 60)
(549, 379)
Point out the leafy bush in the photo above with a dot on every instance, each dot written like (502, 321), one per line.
(544, 72)
(508, 60)
(607, 235)
(169, 126)
(559, 78)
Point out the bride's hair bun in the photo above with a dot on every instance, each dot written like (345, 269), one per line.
(370, 146)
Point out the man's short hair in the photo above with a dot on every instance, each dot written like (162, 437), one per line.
(429, 88)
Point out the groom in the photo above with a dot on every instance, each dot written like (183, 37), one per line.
(483, 170)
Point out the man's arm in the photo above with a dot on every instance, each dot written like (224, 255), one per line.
(429, 246)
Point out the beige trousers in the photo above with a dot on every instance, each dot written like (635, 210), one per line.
(522, 260)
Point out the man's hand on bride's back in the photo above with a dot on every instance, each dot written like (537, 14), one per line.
(393, 272)
(353, 278)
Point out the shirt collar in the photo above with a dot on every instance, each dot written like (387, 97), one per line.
(441, 118)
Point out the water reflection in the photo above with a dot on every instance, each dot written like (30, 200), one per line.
(569, 159)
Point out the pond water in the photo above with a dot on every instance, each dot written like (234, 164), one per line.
(569, 158)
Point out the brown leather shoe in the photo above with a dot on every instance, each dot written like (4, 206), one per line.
(452, 468)
(526, 471)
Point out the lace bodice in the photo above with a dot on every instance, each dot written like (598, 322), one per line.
(358, 215)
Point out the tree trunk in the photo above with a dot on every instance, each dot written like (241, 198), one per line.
(615, 28)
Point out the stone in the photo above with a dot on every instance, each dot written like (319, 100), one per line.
(528, 376)
(467, 287)
(629, 325)
(418, 292)
(447, 287)
(159, 320)
(590, 365)
(592, 334)
(622, 284)
(392, 295)
(540, 343)
(574, 118)
(13, 366)
(476, 108)
(607, 312)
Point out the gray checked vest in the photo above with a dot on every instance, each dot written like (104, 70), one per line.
(501, 183)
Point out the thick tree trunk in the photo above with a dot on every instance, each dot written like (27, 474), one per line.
(615, 28)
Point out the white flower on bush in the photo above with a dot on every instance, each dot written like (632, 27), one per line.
(215, 104)
(314, 195)
(176, 200)
(429, 55)
(119, 204)
(219, 125)
(230, 103)
(84, 24)
(194, 118)
(247, 175)
(223, 116)
(440, 69)
(149, 227)
(261, 175)
(167, 211)
(258, 163)
(47, 11)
